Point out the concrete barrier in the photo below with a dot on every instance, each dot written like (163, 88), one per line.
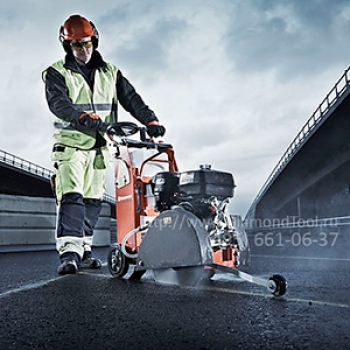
(28, 223)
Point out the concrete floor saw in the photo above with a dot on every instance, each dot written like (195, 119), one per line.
(175, 224)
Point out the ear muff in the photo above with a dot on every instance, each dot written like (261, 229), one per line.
(96, 37)
(60, 35)
(65, 43)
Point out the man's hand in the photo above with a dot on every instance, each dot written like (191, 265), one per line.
(154, 129)
(90, 121)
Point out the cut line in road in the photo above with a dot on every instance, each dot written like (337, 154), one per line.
(297, 257)
(283, 298)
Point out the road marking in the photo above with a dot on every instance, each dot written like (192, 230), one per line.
(27, 287)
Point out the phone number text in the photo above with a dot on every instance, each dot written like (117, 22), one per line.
(295, 239)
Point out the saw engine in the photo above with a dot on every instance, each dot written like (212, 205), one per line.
(205, 193)
(175, 224)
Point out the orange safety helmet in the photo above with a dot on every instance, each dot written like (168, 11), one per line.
(77, 27)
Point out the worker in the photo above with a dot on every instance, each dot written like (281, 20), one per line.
(83, 91)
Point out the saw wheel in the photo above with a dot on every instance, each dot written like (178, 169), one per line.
(188, 276)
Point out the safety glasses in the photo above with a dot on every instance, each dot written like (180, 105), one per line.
(78, 45)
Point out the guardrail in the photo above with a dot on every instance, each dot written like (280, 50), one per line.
(22, 164)
(19, 163)
(321, 113)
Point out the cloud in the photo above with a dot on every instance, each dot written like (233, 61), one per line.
(148, 53)
(233, 81)
(294, 38)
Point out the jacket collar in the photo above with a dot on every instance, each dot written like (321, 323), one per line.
(96, 62)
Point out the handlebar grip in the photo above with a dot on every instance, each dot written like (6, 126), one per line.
(143, 134)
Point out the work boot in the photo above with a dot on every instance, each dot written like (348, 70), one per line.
(89, 262)
(67, 267)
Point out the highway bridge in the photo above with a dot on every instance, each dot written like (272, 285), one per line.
(312, 179)
(23, 178)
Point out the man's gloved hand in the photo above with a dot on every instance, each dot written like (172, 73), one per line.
(154, 129)
(90, 121)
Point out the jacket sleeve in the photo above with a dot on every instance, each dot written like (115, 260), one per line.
(132, 102)
(57, 96)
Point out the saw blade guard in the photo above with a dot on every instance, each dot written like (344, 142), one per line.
(175, 238)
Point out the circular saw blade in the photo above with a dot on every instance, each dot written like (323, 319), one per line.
(181, 276)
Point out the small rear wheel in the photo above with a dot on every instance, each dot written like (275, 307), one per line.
(118, 264)
(277, 285)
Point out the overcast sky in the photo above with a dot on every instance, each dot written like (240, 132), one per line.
(233, 81)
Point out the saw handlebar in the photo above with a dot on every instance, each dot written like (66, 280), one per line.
(121, 129)
(119, 133)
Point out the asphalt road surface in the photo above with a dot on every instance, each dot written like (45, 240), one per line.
(93, 310)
